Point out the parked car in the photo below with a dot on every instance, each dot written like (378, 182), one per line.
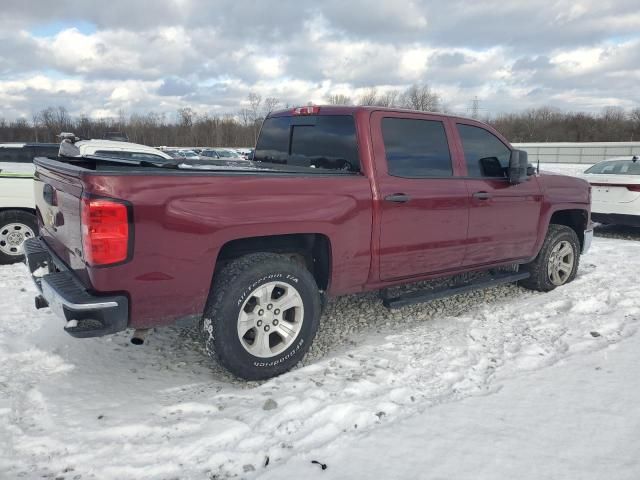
(615, 191)
(189, 154)
(209, 153)
(223, 153)
(252, 251)
(124, 150)
(17, 203)
(246, 153)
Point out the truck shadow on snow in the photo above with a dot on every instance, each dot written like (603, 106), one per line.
(617, 231)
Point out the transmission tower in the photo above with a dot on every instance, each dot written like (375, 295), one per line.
(475, 107)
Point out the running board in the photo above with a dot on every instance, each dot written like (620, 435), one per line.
(428, 295)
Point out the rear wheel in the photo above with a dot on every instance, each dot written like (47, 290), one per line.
(16, 226)
(262, 315)
(557, 262)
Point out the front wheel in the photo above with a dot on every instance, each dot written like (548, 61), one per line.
(16, 226)
(262, 315)
(558, 260)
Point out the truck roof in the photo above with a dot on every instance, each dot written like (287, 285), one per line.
(352, 109)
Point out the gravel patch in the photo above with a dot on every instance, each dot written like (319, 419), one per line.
(347, 321)
(350, 319)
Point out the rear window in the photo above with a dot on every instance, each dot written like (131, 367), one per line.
(316, 141)
(616, 167)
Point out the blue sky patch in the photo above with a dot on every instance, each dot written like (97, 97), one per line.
(52, 28)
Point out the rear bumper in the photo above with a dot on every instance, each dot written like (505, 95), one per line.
(616, 219)
(86, 314)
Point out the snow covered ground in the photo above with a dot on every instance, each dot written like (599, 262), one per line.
(504, 383)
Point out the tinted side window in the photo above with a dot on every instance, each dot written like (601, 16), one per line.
(273, 144)
(16, 154)
(44, 150)
(322, 141)
(330, 143)
(480, 146)
(416, 148)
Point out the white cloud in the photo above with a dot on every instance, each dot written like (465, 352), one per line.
(175, 53)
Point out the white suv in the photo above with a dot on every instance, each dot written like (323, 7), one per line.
(17, 203)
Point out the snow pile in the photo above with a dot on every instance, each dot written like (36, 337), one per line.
(102, 408)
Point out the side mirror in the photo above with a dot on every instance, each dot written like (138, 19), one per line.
(518, 163)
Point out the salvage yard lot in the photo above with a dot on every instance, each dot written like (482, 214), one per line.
(102, 408)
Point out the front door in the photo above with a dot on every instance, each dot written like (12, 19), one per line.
(503, 218)
(423, 207)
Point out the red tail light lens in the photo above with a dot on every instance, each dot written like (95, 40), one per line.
(633, 188)
(105, 231)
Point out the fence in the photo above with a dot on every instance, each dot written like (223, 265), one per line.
(587, 152)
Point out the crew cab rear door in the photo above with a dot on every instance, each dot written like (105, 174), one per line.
(503, 218)
(423, 207)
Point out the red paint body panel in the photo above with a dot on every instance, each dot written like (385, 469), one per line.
(181, 220)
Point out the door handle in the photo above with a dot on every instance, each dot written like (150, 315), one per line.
(482, 195)
(398, 198)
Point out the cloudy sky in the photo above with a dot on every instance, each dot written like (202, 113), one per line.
(98, 58)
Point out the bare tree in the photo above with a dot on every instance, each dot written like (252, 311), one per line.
(338, 99)
(369, 97)
(270, 104)
(390, 98)
(421, 97)
(255, 100)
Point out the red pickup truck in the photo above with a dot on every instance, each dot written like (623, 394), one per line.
(336, 200)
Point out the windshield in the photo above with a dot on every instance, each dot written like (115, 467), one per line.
(616, 167)
(188, 154)
(315, 141)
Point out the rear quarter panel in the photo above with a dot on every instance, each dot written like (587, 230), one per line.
(181, 222)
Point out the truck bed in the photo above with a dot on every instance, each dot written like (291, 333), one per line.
(196, 212)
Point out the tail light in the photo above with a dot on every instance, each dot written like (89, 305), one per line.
(105, 231)
(633, 188)
(310, 110)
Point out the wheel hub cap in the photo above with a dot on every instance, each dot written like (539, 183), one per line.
(270, 319)
(12, 236)
(560, 265)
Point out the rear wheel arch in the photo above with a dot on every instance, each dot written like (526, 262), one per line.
(312, 250)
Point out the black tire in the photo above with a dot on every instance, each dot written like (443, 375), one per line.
(12, 253)
(540, 278)
(231, 293)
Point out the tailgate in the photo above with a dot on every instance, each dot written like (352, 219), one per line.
(58, 195)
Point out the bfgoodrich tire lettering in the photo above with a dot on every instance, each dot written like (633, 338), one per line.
(250, 285)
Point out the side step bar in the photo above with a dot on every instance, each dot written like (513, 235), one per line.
(428, 295)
